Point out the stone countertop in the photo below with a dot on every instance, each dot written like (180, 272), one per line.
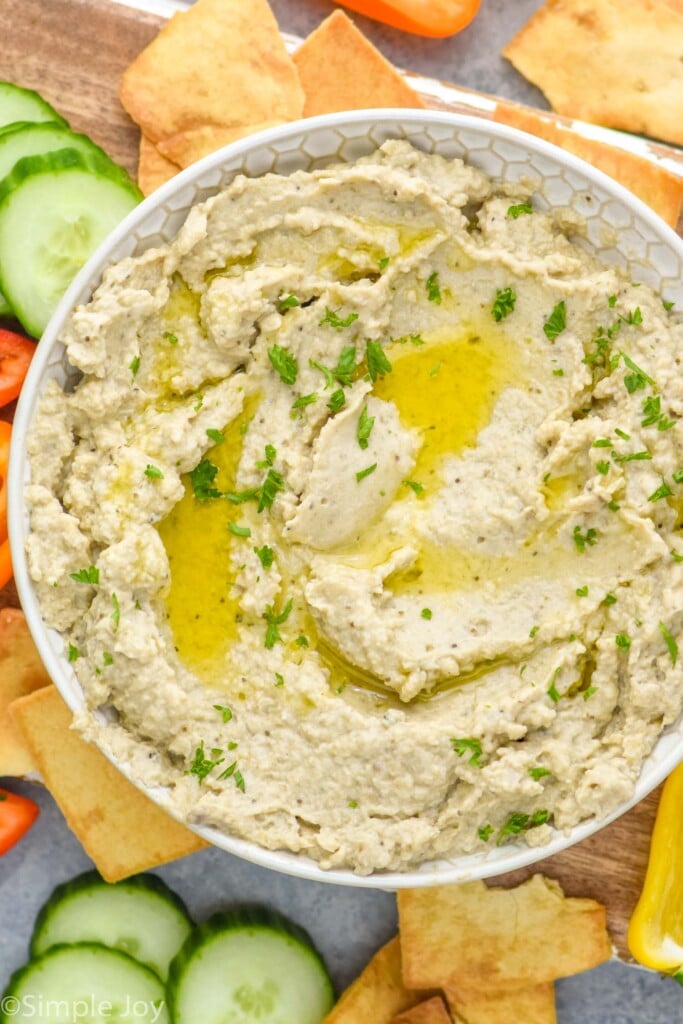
(347, 924)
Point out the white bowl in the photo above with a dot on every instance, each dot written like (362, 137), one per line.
(650, 250)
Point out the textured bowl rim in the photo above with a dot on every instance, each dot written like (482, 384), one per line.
(458, 869)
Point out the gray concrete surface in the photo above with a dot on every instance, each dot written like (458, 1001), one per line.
(347, 924)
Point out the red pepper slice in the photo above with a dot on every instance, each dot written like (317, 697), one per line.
(435, 18)
(5, 560)
(16, 353)
(17, 814)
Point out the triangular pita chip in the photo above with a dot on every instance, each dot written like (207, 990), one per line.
(657, 187)
(341, 70)
(21, 672)
(433, 1011)
(186, 148)
(378, 993)
(154, 169)
(534, 1005)
(118, 826)
(614, 62)
(222, 62)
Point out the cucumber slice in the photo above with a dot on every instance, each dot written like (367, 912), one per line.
(5, 308)
(249, 965)
(141, 917)
(25, 139)
(18, 104)
(86, 983)
(55, 210)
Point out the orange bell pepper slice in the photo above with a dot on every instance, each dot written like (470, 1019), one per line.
(5, 559)
(655, 931)
(434, 18)
(16, 353)
(17, 814)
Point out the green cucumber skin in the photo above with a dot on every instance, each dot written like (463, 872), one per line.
(5, 308)
(31, 102)
(12, 996)
(28, 135)
(254, 917)
(92, 880)
(61, 160)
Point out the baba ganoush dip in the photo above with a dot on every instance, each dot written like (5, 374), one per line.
(360, 523)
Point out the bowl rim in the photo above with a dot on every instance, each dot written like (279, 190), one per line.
(405, 122)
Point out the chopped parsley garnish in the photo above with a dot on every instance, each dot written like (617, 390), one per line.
(558, 373)
(362, 473)
(414, 486)
(240, 497)
(302, 401)
(269, 457)
(414, 339)
(287, 302)
(171, 338)
(612, 301)
(107, 658)
(153, 472)
(518, 209)
(583, 540)
(552, 690)
(74, 653)
(602, 442)
(227, 772)
(202, 478)
(199, 403)
(485, 833)
(652, 414)
(269, 489)
(325, 370)
(503, 304)
(433, 289)
(556, 322)
(279, 679)
(215, 435)
(622, 434)
(134, 365)
(302, 641)
(337, 400)
(582, 591)
(90, 575)
(677, 477)
(239, 531)
(266, 556)
(201, 765)
(667, 304)
(273, 621)
(284, 363)
(116, 612)
(378, 364)
(633, 317)
(346, 366)
(613, 506)
(226, 712)
(539, 772)
(518, 822)
(623, 641)
(677, 557)
(663, 491)
(383, 263)
(608, 600)
(671, 644)
(335, 321)
(426, 613)
(469, 745)
(589, 692)
(364, 429)
(602, 467)
(435, 369)
(637, 379)
(533, 631)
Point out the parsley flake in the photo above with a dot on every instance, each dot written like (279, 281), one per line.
(556, 322)
(153, 472)
(226, 712)
(582, 591)
(273, 621)
(671, 644)
(539, 772)
(362, 473)
(365, 425)
(583, 540)
(287, 302)
(433, 288)
(266, 556)
(415, 487)
(663, 491)
(239, 531)
(335, 321)
(116, 612)
(485, 833)
(284, 363)
(383, 263)
(215, 435)
(426, 613)
(201, 765)
(469, 745)
(269, 489)
(378, 364)
(602, 467)
(518, 209)
(623, 641)
(74, 653)
(346, 366)
(337, 400)
(552, 690)
(202, 478)
(503, 304)
(279, 679)
(302, 401)
(134, 365)
(90, 575)
(518, 822)
(633, 317)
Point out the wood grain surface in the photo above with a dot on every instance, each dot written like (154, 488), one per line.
(73, 52)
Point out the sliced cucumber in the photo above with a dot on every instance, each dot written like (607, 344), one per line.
(140, 916)
(24, 139)
(86, 983)
(249, 965)
(55, 210)
(5, 308)
(18, 104)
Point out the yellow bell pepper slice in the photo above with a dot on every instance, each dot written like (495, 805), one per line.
(655, 932)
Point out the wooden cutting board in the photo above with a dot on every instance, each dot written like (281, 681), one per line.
(73, 52)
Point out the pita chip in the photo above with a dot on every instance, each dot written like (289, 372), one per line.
(657, 187)
(378, 993)
(220, 63)
(154, 169)
(478, 937)
(433, 1011)
(21, 672)
(533, 1005)
(614, 62)
(341, 70)
(186, 148)
(119, 827)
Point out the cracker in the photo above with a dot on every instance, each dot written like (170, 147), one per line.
(21, 672)
(378, 993)
(154, 169)
(119, 827)
(341, 70)
(222, 62)
(533, 1005)
(479, 937)
(186, 148)
(433, 1011)
(657, 187)
(614, 62)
